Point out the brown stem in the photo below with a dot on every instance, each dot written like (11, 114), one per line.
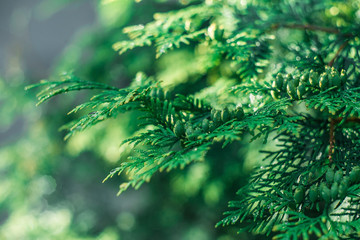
(341, 48)
(316, 28)
(306, 27)
(339, 119)
(333, 121)
(332, 139)
(351, 119)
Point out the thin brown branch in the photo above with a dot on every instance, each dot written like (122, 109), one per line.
(332, 139)
(333, 121)
(341, 48)
(305, 27)
(352, 119)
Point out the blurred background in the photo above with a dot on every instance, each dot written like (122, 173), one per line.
(51, 188)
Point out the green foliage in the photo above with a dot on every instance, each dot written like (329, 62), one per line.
(292, 69)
